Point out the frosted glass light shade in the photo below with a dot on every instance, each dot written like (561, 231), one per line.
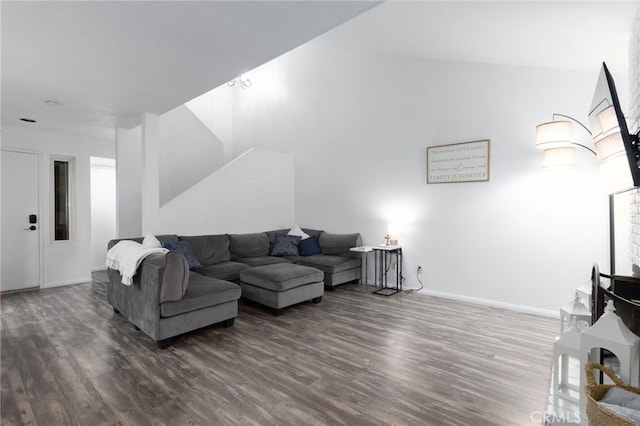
(607, 119)
(559, 157)
(609, 146)
(555, 134)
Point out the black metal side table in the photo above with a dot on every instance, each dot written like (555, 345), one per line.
(384, 255)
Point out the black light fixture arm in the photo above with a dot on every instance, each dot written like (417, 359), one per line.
(583, 126)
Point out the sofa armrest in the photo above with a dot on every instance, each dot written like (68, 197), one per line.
(174, 278)
(160, 277)
(339, 243)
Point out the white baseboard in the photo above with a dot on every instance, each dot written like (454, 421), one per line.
(99, 268)
(68, 282)
(492, 303)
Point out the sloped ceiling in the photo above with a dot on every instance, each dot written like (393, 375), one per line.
(107, 62)
(576, 35)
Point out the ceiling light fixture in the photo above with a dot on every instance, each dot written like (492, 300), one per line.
(242, 80)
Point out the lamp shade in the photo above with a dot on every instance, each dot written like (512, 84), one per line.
(554, 134)
(559, 157)
(607, 119)
(393, 229)
(609, 146)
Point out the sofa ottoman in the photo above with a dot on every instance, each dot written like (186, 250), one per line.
(283, 284)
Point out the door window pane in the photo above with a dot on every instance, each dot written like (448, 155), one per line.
(61, 197)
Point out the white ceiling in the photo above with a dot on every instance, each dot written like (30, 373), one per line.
(569, 35)
(107, 62)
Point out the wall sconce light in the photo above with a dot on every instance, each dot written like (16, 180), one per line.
(244, 82)
(554, 138)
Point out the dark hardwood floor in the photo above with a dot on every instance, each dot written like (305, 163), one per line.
(356, 359)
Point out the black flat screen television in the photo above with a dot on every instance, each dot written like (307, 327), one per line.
(606, 112)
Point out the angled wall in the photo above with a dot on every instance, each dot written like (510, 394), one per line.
(215, 110)
(252, 193)
(188, 152)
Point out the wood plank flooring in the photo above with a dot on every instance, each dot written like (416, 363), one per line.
(356, 359)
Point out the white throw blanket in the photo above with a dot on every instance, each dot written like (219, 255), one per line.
(125, 257)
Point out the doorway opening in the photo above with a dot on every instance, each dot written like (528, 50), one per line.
(103, 209)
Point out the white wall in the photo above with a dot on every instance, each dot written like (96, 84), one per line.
(103, 209)
(253, 193)
(359, 126)
(129, 182)
(215, 110)
(63, 262)
(188, 152)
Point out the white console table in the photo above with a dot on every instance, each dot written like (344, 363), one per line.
(364, 250)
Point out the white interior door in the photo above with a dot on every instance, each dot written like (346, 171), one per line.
(20, 238)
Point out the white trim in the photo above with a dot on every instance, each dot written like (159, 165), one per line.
(492, 303)
(68, 282)
(99, 268)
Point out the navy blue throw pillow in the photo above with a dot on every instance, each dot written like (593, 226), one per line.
(285, 245)
(309, 247)
(184, 248)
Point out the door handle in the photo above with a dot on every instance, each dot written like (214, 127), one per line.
(31, 228)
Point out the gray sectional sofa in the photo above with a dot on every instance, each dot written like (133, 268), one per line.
(167, 299)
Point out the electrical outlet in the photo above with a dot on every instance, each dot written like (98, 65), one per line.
(419, 269)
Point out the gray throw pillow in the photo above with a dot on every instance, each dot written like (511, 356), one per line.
(285, 245)
(184, 248)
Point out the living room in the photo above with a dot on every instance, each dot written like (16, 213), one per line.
(356, 121)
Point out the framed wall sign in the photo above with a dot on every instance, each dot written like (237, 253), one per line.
(458, 162)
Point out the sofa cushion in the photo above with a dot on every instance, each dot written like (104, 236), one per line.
(328, 263)
(309, 247)
(338, 243)
(184, 248)
(209, 249)
(285, 245)
(281, 276)
(262, 260)
(249, 245)
(202, 292)
(227, 270)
